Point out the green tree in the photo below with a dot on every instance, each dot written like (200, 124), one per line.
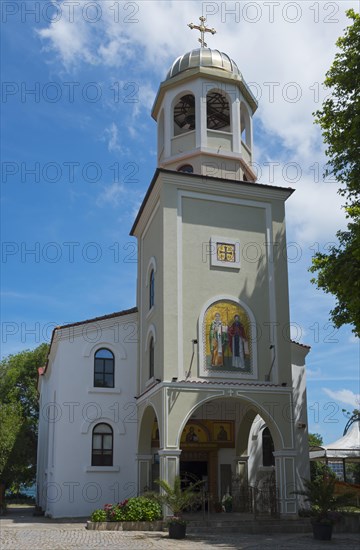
(315, 440)
(19, 415)
(338, 272)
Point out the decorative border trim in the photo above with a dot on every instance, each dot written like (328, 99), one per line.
(215, 262)
(202, 337)
(270, 266)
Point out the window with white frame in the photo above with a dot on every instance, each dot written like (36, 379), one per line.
(104, 368)
(102, 445)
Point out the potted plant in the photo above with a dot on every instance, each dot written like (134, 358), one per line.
(227, 502)
(325, 506)
(178, 500)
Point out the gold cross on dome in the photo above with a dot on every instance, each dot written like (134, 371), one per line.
(203, 29)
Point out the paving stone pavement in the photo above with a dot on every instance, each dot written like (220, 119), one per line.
(25, 533)
(71, 537)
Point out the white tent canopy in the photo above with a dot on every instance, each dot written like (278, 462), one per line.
(347, 447)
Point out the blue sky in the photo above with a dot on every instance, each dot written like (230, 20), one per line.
(79, 150)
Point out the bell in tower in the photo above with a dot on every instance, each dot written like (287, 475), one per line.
(204, 112)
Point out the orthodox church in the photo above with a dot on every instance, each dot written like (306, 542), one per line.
(201, 378)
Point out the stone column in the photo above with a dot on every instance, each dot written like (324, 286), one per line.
(144, 472)
(235, 120)
(169, 464)
(201, 129)
(169, 468)
(285, 467)
(213, 476)
(241, 468)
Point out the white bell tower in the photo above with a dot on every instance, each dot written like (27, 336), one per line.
(213, 301)
(204, 112)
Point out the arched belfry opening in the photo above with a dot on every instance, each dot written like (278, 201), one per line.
(200, 98)
(245, 122)
(184, 115)
(217, 111)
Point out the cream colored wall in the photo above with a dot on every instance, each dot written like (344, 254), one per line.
(201, 220)
(183, 142)
(178, 236)
(211, 165)
(151, 246)
(171, 286)
(281, 293)
(298, 355)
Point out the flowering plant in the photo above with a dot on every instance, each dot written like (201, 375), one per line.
(132, 509)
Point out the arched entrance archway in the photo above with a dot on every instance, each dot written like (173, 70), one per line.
(177, 404)
(148, 446)
(216, 446)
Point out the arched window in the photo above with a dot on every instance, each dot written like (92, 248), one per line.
(104, 369)
(217, 112)
(102, 445)
(184, 115)
(187, 168)
(152, 289)
(267, 448)
(151, 358)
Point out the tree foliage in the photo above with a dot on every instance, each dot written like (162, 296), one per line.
(338, 272)
(19, 415)
(315, 440)
(339, 117)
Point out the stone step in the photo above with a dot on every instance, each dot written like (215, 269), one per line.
(254, 526)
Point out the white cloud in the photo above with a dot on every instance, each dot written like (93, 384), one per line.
(283, 51)
(71, 40)
(111, 194)
(112, 135)
(313, 373)
(344, 396)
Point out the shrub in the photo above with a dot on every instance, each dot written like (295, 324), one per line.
(117, 513)
(142, 509)
(134, 509)
(98, 515)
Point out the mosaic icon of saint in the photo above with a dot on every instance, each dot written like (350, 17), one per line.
(222, 435)
(191, 436)
(238, 343)
(218, 341)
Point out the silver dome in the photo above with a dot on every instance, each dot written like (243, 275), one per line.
(203, 57)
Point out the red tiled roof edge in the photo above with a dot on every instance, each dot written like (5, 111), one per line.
(101, 318)
(290, 190)
(302, 345)
(223, 383)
